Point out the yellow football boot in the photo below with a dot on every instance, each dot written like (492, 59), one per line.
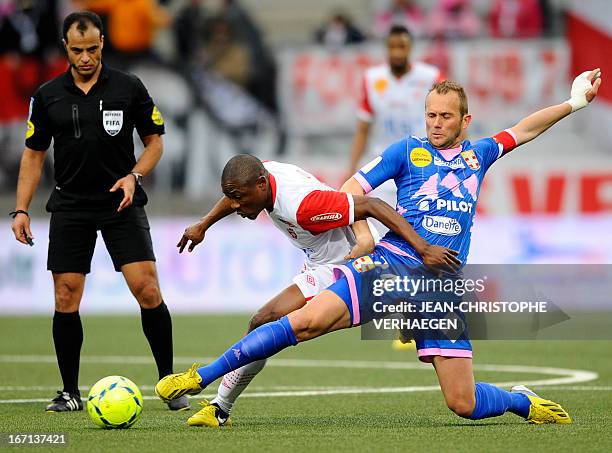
(179, 384)
(210, 415)
(543, 411)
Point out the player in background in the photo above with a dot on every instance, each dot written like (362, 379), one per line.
(391, 106)
(446, 153)
(316, 219)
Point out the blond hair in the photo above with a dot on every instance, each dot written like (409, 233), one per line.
(445, 86)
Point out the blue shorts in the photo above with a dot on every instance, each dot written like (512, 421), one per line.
(354, 286)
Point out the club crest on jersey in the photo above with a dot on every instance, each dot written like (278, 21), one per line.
(364, 264)
(112, 120)
(470, 158)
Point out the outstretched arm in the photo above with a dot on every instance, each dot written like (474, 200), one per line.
(195, 233)
(584, 90)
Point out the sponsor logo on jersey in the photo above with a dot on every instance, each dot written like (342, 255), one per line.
(441, 225)
(363, 264)
(311, 280)
(112, 120)
(327, 217)
(423, 205)
(420, 157)
(470, 158)
(453, 164)
(286, 222)
(381, 85)
(454, 205)
(157, 117)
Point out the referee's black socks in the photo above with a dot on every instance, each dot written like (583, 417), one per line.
(157, 327)
(68, 338)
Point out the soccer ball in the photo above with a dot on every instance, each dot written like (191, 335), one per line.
(114, 402)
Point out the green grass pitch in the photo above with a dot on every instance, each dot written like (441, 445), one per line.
(336, 393)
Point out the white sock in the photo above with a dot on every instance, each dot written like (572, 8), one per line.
(233, 384)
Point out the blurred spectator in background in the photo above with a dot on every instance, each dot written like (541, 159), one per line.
(407, 13)
(453, 19)
(438, 54)
(190, 28)
(29, 55)
(263, 71)
(516, 19)
(131, 28)
(339, 31)
(225, 55)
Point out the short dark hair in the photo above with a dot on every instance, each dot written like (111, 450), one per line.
(242, 170)
(83, 20)
(399, 30)
(447, 86)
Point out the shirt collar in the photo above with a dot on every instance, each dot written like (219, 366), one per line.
(69, 79)
(273, 187)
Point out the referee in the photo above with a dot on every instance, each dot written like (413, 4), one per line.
(90, 112)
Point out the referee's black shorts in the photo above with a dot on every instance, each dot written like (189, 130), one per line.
(72, 238)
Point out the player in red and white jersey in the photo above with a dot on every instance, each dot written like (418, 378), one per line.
(311, 215)
(391, 106)
(391, 100)
(317, 220)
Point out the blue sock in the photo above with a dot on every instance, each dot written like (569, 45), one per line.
(261, 343)
(492, 401)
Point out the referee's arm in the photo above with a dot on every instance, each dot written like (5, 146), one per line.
(154, 147)
(30, 170)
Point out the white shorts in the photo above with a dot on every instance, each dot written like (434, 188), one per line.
(314, 279)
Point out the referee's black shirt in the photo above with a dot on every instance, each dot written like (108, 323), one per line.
(92, 136)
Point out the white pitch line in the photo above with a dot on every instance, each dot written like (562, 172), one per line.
(327, 392)
(566, 376)
(563, 375)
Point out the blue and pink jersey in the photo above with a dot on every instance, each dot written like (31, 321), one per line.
(437, 190)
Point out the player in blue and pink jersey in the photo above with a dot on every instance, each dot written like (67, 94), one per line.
(438, 180)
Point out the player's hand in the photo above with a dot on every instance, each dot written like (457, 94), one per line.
(440, 259)
(128, 185)
(595, 79)
(194, 233)
(584, 89)
(362, 248)
(21, 229)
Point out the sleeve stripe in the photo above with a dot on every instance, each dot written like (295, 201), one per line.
(365, 185)
(509, 131)
(351, 203)
(363, 115)
(506, 141)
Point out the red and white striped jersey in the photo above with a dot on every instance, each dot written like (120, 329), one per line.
(312, 215)
(395, 107)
